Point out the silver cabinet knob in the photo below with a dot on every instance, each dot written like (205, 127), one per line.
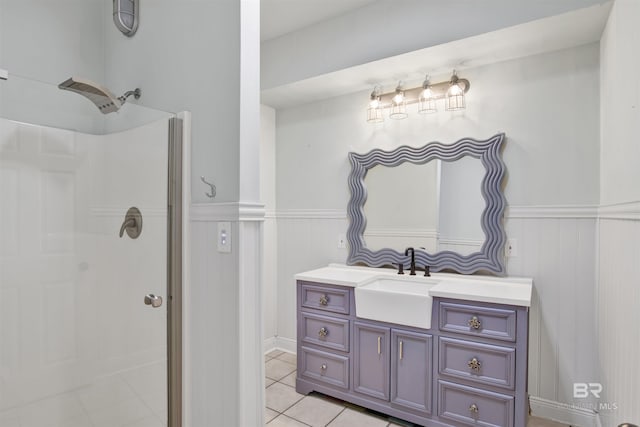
(474, 364)
(474, 322)
(323, 332)
(324, 300)
(323, 367)
(152, 300)
(474, 408)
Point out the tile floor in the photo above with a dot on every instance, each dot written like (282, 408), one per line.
(286, 408)
(135, 398)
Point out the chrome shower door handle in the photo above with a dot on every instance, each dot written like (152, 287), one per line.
(153, 300)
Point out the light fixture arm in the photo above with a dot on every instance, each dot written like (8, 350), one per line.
(412, 95)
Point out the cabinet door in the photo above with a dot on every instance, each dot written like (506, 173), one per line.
(411, 368)
(371, 360)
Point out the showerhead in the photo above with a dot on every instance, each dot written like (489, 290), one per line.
(101, 97)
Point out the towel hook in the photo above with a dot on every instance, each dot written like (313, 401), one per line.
(212, 194)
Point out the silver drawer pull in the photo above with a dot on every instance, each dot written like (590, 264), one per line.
(400, 351)
(324, 300)
(379, 343)
(323, 332)
(474, 364)
(474, 408)
(474, 322)
(323, 367)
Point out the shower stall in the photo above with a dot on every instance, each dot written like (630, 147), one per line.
(91, 238)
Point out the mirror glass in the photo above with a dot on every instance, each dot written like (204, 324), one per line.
(437, 205)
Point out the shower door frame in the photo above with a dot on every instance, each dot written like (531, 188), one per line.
(174, 272)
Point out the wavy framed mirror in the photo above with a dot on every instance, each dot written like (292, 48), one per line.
(444, 200)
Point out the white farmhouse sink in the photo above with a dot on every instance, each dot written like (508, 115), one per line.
(404, 301)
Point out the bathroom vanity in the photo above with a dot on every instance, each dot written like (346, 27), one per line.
(445, 350)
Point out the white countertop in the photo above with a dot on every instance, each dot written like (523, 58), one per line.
(499, 290)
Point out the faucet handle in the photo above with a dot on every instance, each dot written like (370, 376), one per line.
(427, 273)
(400, 267)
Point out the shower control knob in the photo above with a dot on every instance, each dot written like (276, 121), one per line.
(152, 300)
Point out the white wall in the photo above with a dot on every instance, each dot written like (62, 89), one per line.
(42, 43)
(619, 251)
(186, 56)
(548, 107)
(270, 242)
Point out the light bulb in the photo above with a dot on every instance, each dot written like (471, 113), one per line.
(455, 90)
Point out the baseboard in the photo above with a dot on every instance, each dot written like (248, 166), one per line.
(279, 343)
(269, 344)
(563, 413)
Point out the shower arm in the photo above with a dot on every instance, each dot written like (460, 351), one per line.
(136, 94)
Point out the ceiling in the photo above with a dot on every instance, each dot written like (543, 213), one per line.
(279, 17)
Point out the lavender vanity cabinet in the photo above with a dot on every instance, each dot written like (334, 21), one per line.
(371, 359)
(411, 370)
(469, 369)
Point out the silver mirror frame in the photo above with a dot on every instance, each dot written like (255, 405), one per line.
(490, 258)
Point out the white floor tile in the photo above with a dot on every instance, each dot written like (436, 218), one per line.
(10, 418)
(157, 402)
(284, 421)
(147, 422)
(107, 392)
(314, 411)
(290, 379)
(278, 369)
(147, 380)
(351, 418)
(280, 397)
(52, 411)
(122, 414)
(269, 414)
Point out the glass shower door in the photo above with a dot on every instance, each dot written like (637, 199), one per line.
(79, 346)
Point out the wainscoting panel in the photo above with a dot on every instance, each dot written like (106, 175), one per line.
(618, 318)
(560, 254)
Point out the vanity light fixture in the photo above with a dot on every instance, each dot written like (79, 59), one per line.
(374, 111)
(426, 96)
(398, 104)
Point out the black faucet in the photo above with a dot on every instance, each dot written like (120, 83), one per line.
(413, 260)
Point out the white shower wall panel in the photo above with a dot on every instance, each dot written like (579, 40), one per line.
(71, 290)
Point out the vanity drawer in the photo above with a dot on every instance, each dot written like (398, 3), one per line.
(325, 367)
(494, 323)
(473, 407)
(325, 298)
(325, 331)
(481, 363)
